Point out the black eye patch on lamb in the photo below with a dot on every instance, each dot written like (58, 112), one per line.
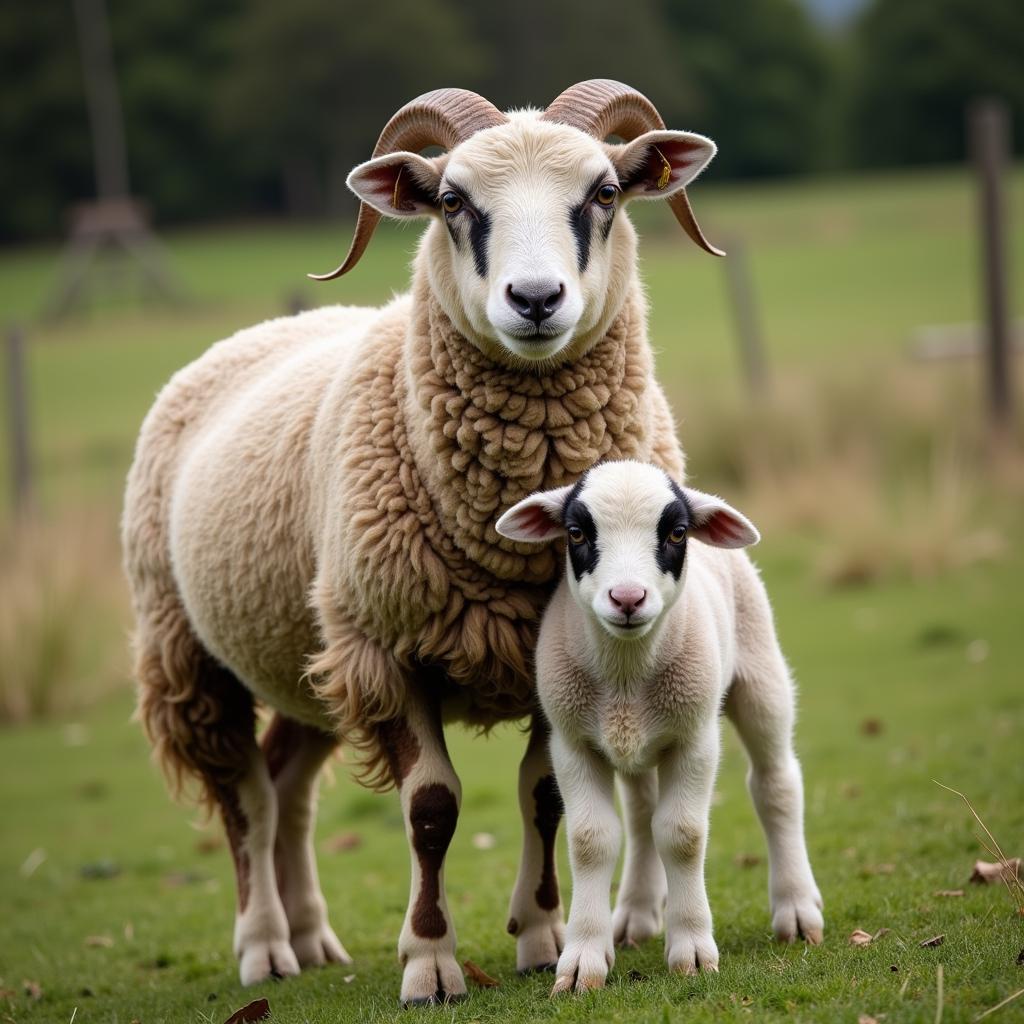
(584, 556)
(670, 557)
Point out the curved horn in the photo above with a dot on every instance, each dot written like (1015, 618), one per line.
(603, 107)
(444, 117)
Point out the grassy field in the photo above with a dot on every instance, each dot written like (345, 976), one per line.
(892, 550)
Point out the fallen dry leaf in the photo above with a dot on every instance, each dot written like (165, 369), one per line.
(349, 978)
(859, 937)
(747, 860)
(935, 940)
(99, 941)
(866, 1018)
(32, 988)
(949, 893)
(880, 933)
(258, 1009)
(344, 841)
(986, 874)
(872, 726)
(479, 975)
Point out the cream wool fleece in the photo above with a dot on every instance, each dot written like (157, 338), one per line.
(318, 496)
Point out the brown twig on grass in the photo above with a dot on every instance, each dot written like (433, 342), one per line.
(1013, 883)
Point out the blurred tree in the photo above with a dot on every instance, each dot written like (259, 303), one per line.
(763, 76)
(314, 81)
(920, 63)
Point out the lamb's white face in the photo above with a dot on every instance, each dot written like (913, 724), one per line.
(626, 526)
(531, 250)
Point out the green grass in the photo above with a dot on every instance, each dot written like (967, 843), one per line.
(844, 270)
(85, 795)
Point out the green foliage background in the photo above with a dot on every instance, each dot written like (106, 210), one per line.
(241, 107)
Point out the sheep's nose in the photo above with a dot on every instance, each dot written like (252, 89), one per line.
(535, 300)
(627, 598)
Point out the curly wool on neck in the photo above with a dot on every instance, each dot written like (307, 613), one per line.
(442, 440)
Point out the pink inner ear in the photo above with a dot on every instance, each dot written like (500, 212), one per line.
(535, 520)
(723, 529)
(680, 154)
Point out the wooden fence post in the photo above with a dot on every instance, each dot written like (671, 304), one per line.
(745, 316)
(989, 132)
(17, 401)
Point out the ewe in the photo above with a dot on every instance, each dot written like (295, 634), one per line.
(309, 520)
(644, 642)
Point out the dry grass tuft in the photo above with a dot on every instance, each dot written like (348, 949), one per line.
(871, 469)
(63, 610)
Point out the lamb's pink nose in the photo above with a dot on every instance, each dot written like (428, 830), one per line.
(627, 598)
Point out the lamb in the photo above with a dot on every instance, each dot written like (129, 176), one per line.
(646, 638)
(309, 519)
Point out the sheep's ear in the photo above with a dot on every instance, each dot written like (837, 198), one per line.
(536, 518)
(717, 523)
(659, 163)
(398, 185)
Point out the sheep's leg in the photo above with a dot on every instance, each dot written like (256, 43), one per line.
(535, 912)
(762, 711)
(641, 898)
(595, 835)
(686, 777)
(430, 794)
(295, 754)
(248, 806)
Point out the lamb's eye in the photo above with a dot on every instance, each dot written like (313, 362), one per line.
(576, 535)
(606, 194)
(678, 535)
(451, 203)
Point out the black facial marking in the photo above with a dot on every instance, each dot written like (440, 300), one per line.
(670, 557)
(479, 232)
(584, 556)
(581, 224)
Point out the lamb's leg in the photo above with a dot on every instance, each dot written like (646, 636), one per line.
(686, 778)
(535, 912)
(762, 711)
(638, 909)
(595, 834)
(430, 795)
(295, 754)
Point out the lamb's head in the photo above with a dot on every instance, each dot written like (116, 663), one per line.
(627, 525)
(529, 253)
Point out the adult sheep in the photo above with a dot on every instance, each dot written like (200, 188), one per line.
(309, 519)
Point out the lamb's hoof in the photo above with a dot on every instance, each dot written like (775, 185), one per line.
(634, 925)
(583, 968)
(432, 979)
(271, 958)
(318, 946)
(690, 952)
(437, 999)
(538, 946)
(539, 969)
(799, 916)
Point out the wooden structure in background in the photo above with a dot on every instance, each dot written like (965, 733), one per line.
(114, 221)
(989, 135)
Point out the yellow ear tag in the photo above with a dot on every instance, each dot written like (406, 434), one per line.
(666, 169)
(398, 178)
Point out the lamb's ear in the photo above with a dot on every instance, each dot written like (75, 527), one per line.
(398, 184)
(536, 518)
(656, 164)
(717, 523)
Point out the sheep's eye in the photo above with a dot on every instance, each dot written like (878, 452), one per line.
(606, 194)
(678, 535)
(451, 203)
(576, 535)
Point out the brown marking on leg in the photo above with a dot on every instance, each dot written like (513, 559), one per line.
(236, 825)
(433, 814)
(400, 746)
(548, 802)
(512, 926)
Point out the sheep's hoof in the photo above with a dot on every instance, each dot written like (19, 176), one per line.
(539, 969)
(437, 999)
